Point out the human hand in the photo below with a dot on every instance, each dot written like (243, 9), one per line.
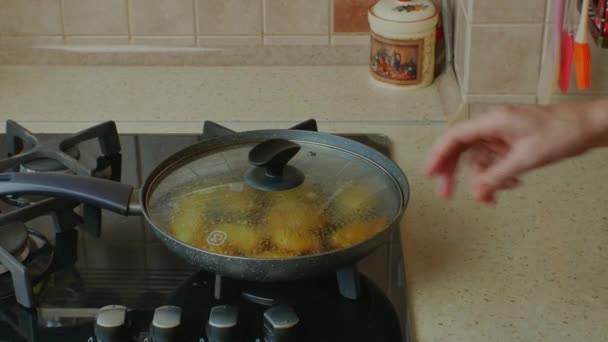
(508, 141)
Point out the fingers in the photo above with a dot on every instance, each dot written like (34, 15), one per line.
(481, 158)
(487, 194)
(445, 187)
(446, 152)
(443, 159)
(511, 184)
(503, 174)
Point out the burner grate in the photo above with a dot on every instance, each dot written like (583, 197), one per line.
(26, 153)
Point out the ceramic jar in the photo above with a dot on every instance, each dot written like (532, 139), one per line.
(403, 42)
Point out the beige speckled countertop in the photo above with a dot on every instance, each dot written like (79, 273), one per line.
(177, 99)
(532, 269)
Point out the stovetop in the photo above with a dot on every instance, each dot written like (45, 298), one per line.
(127, 267)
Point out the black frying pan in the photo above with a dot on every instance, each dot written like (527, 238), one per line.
(126, 200)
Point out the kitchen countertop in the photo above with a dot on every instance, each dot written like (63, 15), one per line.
(60, 99)
(531, 269)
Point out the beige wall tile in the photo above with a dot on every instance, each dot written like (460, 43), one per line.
(219, 41)
(163, 41)
(468, 8)
(229, 17)
(97, 40)
(32, 41)
(359, 39)
(30, 17)
(549, 15)
(296, 40)
(461, 41)
(451, 97)
(466, 5)
(513, 11)
(548, 69)
(162, 17)
(296, 16)
(505, 59)
(95, 17)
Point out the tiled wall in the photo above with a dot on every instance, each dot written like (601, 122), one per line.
(498, 45)
(184, 22)
(503, 53)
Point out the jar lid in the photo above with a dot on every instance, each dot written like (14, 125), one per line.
(405, 11)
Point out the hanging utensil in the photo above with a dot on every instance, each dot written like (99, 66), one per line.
(567, 48)
(560, 5)
(582, 53)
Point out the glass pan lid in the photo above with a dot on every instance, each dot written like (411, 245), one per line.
(206, 202)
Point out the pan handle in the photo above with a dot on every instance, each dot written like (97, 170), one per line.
(97, 192)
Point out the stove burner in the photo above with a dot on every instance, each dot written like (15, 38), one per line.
(27, 266)
(27, 153)
(37, 263)
(20, 257)
(270, 294)
(48, 164)
(13, 237)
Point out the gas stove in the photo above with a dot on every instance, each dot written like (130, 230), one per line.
(70, 272)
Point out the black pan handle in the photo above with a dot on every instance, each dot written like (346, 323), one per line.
(271, 171)
(273, 154)
(97, 192)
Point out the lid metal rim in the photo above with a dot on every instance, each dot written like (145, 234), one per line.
(240, 138)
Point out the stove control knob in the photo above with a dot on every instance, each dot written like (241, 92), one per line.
(165, 323)
(222, 324)
(110, 325)
(280, 324)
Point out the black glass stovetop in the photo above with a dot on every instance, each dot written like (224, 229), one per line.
(126, 266)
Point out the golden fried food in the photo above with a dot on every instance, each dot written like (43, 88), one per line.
(354, 200)
(202, 242)
(232, 203)
(295, 216)
(274, 254)
(244, 238)
(296, 241)
(189, 219)
(294, 221)
(301, 193)
(356, 232)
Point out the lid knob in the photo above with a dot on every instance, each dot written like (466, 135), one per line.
(271, 172)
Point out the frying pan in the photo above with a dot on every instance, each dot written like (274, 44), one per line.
(269, 152)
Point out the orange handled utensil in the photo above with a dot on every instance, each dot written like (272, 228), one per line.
(582, 54)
